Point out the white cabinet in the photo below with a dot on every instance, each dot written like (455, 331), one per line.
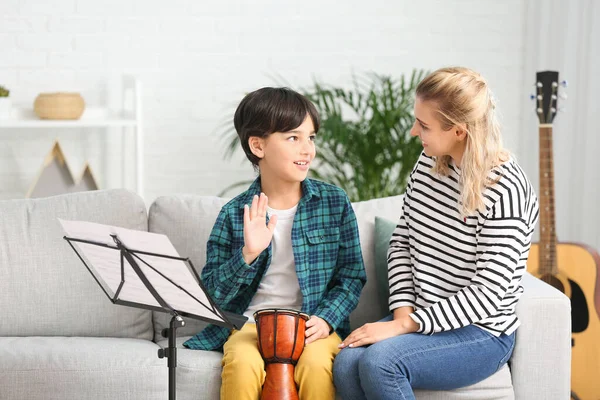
(128, 117)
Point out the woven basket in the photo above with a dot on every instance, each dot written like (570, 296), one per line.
(59, 105)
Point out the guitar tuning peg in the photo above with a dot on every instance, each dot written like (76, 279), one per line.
(539, 110)
(539, 84)
(532, 97)
(564, 83)
(554, 97)
(553, 110)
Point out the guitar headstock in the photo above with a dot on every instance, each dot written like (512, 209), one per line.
(547, 95)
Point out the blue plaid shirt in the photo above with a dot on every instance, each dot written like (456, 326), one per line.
(327, 256)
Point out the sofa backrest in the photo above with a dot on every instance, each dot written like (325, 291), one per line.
(45, 290)
(187, 220)
(370, 308)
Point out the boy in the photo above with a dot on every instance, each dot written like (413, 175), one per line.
(295, 246)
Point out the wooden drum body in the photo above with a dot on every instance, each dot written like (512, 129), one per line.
(280, 342)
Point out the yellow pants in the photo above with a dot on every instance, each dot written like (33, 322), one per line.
(244, 369)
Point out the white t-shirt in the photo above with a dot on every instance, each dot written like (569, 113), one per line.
(279, 287)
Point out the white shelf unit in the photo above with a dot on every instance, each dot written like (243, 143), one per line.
(130, 116)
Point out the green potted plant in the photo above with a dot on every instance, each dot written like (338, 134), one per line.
(364, 144)
(4, 103)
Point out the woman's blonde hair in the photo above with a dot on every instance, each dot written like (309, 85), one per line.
(463, 100)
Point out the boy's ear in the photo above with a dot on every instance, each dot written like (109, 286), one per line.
(257, 145)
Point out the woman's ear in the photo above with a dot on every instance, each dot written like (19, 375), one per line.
(460, 132)
(257, 145)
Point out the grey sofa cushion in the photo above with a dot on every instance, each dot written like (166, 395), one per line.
(187, 220)
(42, 368)
(496, 387)
(370, 307)
(198, 372)
(45, 289)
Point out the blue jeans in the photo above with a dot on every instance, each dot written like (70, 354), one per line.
(390, 369)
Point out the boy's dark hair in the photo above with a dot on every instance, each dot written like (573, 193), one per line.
(268, 110)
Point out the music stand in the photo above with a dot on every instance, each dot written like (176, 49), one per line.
(143, 270)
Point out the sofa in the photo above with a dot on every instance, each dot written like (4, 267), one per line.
(61, 337)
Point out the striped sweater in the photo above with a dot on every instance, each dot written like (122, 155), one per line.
(459, 271)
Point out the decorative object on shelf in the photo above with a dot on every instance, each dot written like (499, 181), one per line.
(4, 103)
(59, 105)
(56, 178)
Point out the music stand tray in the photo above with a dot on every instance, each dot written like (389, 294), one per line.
(143, 270)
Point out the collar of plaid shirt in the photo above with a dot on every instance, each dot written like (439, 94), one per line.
(308, 191)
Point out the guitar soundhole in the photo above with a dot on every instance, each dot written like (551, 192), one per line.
(553, 281)
(580, 317)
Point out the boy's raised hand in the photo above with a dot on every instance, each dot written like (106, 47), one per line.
(257, 234)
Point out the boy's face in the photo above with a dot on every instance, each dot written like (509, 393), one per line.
(286, 155)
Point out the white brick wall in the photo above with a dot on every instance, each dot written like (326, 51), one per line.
(197, 58)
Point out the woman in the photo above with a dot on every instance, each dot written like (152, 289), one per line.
(456, 258)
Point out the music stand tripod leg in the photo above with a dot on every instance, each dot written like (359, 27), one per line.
(171, 352)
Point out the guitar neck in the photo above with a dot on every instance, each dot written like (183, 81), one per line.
(548, 239)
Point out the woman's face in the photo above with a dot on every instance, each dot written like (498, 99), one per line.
(436, 141)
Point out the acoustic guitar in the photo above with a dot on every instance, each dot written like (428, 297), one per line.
(572, 268)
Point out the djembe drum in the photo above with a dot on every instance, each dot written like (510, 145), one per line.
(280, 342)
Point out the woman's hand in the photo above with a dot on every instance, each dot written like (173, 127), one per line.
(378, 331)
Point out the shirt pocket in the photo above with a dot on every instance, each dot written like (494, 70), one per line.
(323, 247)
(323, 236)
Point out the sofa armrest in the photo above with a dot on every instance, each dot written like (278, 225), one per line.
(541, 361)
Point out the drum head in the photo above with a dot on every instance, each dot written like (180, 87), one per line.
(288, 311)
